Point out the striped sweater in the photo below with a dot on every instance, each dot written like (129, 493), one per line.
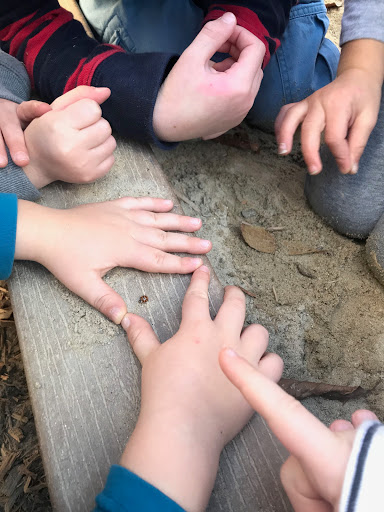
(59, 56)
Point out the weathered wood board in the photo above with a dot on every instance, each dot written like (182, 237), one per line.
(84, 380)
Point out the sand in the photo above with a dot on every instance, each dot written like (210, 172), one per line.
(328, 327)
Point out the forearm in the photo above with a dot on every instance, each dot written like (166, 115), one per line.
(266, 19)
(59, 56)
(364, 54)
(170, 456)
(37, 230)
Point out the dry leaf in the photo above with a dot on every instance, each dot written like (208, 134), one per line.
(247, 292)
(333, 3)
(238, 140)
(305, 271)
(299, 249)
(5, 313)
(304, 389)
(258, 238)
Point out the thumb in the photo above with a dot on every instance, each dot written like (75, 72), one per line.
(141, 336)
(104, 299)
(30, 110)
(212, 37)
(98, 94)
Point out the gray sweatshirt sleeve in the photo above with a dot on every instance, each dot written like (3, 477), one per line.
(15, 86)
(362, 19)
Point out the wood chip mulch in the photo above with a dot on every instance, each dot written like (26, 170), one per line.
(22, 479)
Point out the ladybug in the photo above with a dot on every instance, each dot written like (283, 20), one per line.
(143, 299)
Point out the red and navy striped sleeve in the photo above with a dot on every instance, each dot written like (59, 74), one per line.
(266, 19)
(59, 56)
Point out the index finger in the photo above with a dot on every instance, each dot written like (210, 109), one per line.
(299, 431)
(98, 94)
(83, 113)
(249, 61)
(196, 302)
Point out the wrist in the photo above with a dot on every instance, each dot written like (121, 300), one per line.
(365, 55)
(36, 231)
(171, 455)
(36, 176)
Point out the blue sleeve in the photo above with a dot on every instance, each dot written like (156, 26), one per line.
(8, 216)
(127, 492)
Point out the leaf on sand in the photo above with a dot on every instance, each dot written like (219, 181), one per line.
(299, 249)
(333, 3)
(5, 313)
(239, 139)
(304, 389)
(258, 238)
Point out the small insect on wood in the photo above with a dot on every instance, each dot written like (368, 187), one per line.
(143, 299)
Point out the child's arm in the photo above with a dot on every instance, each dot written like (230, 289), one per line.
(80, 245)
(14, 89)
(189, 410)
(72, 142)
(196, 99)
(338, 469)
(347, 109)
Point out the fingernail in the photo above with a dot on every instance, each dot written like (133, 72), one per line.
(355, 168)
(230, 352)
(168, 202)
(20, 156)
(205, 243)
(204, 269)
(196, 222)
(116, 314)
(369, 415)
(313, 170)
(125, 323)
(3, 161)
(229, 18)
(282, 149)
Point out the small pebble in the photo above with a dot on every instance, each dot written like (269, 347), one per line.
(248, 213)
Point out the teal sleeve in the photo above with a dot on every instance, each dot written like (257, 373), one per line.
(8, 223)
(127, 492)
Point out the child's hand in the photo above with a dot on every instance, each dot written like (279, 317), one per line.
(189, 410)
(202, 99)
(72, 143)
(13, 119)
(80, 245)
(313, 475)
(346, 110)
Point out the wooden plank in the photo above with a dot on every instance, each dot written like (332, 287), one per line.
(84, 380)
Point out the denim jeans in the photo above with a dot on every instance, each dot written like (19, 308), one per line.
(305, 61)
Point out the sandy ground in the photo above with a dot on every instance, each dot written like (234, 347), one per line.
(329, 327)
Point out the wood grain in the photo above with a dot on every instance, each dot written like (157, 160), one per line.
(84, 380)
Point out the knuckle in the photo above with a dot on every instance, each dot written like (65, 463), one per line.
(163, 237)
(102, 303)
(92, 106)
(262, 331)
(105, 127)
(198, 294)
(210, 30)
(159, 258)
